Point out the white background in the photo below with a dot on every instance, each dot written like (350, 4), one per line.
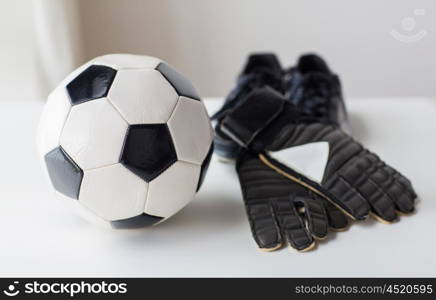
(209, 40)
(211, 236)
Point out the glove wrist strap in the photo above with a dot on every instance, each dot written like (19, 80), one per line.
(252, 116)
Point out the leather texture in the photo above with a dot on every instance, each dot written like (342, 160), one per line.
(143, 96)
(148, 150)
(275, 205)
(180, 83)
(93, 134)
(113, 192)
(172, 190)
(65, 175)
(191, 130)
(355, 179)
(93, 83)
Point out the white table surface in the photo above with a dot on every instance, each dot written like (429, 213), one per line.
(211, 236)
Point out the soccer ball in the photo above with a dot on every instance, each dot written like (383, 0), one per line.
(127, 138)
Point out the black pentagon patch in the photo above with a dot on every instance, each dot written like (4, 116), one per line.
(148, 150)
(64, 173)
(180, 83)
(136, 222)
(204, 167)
(93, 83)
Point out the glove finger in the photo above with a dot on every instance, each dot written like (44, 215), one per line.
(396, 185)
(349, 199)
(340, 192)
(264, 227)
(403, 200)
(337, 220)
(315, 214)
(292, 226)
(358, 174)
(256, 195)
(401, 179)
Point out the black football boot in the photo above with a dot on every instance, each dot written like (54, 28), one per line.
(316, 90)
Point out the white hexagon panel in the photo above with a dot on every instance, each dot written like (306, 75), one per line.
(113, 192)
(191, 130)
(172, 190)
(52, 120)
(94, 134)
(143, 96)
